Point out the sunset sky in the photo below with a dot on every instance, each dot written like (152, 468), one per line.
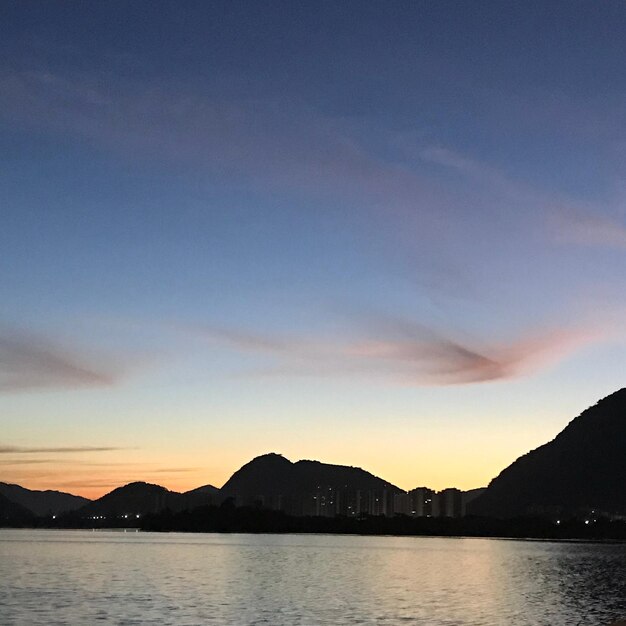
(382, 234)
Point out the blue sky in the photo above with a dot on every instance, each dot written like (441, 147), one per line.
(382, 234)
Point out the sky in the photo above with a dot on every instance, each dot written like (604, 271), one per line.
(382, 234)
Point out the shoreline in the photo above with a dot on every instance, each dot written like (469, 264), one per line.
(135, 530)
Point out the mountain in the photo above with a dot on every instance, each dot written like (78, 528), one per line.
(274, 475)
(13, 513)
(131, 500)
(139, 498)
(207, 494)
(268, 478)
(209, 490)
(42, 502)
(582, 469)
(469, 496)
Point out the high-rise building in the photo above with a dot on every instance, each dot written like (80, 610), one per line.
(401, 503)
(450, 502)
(420, 501)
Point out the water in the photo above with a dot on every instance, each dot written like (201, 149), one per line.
(83, 577)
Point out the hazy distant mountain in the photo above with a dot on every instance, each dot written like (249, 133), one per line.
(12, 513)
(273, 474)
(139, 498)
(584, 467)
(133, 499)
(207, 494)
(42, 502)
(205, 489)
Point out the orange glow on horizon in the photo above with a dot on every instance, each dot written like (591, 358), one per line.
(91, 483)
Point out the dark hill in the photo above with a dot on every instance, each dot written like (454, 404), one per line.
(269, 474)
(133, 499)
(207, 494)
(273, 475)
(12, 513)
(583, 468)
(42, 502)
(314, 475)
(205, 489)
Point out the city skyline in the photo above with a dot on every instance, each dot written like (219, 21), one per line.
(391, 236)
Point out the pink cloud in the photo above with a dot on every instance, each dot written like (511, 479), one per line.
(271, 142)
(31, 362)
(410, 354)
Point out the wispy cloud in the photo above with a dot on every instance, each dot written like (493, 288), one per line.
(173, 470)
(588, 229)
(100, 483)
(29, 461)
(94, 483)
(56, 450)
(31, 362)
(408, 353)
(273, 142)
(473, 169)
(580, 224)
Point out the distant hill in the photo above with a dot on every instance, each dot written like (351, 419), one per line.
(582, 469)
(133, 499)
(267, 476)
(42, 502)
(139, 498)
(204, 490)
(273, 475)
(13, 513)
(207, 494)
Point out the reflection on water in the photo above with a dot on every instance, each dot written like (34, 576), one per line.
(78, 577)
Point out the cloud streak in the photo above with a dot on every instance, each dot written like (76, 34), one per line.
(409, 354)
(273, 142)
(578, 224)
(30, 362)
(56, 450)
(589, 229)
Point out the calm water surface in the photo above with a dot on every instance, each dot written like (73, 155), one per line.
(83, 577)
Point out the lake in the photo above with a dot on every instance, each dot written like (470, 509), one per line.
(112, 577)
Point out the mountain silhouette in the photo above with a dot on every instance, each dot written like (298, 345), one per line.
(139, 498)
(582, 469)
(12, 512)
(131, 500)
(204, 490)
(207, 494)
(273, 475)
(42, 502)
